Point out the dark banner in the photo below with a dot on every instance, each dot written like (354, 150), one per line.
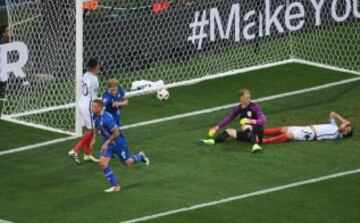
(131, 39)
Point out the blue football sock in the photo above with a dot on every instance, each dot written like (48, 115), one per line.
(110, 176)
(137, 157)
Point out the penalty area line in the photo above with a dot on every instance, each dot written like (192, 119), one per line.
(190, 114)
(243, 196)
(4, 221)
(37, 145)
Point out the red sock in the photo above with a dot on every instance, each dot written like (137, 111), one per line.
(87, 145)
(85, 139)
(276, 139)
(273, 131)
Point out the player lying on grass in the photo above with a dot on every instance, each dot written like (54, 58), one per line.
(251, 118)
(90, 88)
(337, 128)
(114, 99)
(113, 143)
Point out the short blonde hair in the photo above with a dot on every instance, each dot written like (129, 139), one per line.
(113, 83)
(243, 91)
(98, 101)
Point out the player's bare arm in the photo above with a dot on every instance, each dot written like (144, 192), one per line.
(93, 140)
(339, 118)
(121, 103)
(115, 134)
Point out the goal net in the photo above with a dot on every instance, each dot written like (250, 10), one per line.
(179, 42)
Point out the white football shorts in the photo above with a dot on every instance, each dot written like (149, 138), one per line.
(302, 132)
(86, 114)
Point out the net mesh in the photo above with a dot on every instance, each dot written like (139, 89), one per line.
(173, 41)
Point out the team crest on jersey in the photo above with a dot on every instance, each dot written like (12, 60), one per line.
(249, 113)
(118, 95)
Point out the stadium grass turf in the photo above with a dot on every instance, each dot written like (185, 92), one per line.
(44, 185)
(206, 94)
(328, 201)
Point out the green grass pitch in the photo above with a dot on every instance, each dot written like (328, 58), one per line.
(44, 185)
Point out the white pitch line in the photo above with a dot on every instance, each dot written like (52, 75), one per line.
(243, 196)
(189, 114)
(33, 146)
(4, 221)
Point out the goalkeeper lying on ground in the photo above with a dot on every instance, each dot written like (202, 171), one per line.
(252, 120)
(337, 128)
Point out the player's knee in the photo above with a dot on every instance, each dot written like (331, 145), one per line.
(128, 163)
(232, 132)
(102, 163)
(243, 128)
(290, 135)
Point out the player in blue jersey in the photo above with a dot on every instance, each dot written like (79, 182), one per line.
(114, 99)
(113, 143)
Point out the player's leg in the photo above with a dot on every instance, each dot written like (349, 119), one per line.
(222, 137)
(88, 156)
(275, 131)
(89, 123)
(286, 135)
(127, 159)
(105, 158)
(250, 133)
(85, 140)
(87, 136)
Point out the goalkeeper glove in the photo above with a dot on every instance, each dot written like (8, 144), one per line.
(212, 131)
(245, 121)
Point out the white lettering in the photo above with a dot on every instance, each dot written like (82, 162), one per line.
(317, 7)
(234, 17)
(335, 16)
(289, 16)
(15, 67)
(247, 27)
(356, 8)
(272, 19)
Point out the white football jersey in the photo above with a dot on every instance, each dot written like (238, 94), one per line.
(90, 87)
(327, 131)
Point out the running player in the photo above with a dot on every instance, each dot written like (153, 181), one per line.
(90, 88)
(113, 143)
(337, 128)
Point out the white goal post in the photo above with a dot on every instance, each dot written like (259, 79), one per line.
(180, 42)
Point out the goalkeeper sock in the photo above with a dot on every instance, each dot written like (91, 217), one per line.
(222, 137)
(85, 139)
(276, 139)
(273, 131)
(110, 176)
